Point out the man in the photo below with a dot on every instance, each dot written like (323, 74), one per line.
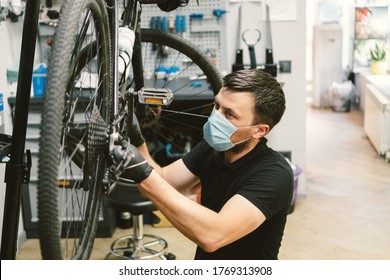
(246, 187)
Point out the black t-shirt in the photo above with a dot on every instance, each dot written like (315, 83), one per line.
(263, 177)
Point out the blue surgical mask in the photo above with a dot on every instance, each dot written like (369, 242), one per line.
(217, 132)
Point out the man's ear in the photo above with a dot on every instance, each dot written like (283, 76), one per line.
(262, 130)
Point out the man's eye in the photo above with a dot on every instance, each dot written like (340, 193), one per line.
(228, 114)
(216, 105)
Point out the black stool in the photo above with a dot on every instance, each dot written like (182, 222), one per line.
(127, 198)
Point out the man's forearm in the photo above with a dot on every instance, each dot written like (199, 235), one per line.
(143, 149)
(181, 180)
(190, 218)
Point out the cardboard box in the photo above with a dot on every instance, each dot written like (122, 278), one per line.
(163, 221)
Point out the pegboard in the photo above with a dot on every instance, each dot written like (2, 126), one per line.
(203, 27)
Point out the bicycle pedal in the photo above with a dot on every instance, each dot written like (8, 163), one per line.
(155, 96)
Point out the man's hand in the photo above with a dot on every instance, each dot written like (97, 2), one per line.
(135, 167)
(136, 137)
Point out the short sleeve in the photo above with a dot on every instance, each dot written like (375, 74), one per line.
(269, 190)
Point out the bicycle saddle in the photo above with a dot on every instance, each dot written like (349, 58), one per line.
(170, 5)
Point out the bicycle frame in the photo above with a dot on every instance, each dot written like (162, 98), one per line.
(131, 19)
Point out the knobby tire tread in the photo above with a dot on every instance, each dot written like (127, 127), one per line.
(53, 107)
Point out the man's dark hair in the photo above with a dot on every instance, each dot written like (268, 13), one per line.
(270, 101)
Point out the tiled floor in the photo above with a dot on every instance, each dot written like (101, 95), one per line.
(179, 245)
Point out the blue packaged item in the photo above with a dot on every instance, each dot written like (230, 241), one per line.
(39, 80)
(1, 102)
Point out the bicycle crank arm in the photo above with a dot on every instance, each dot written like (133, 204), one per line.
(155, 96)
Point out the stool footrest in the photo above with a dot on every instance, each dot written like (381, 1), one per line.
(132, 248)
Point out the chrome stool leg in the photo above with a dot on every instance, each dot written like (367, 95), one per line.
(139, 246)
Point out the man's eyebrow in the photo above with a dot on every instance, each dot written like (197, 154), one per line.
(226, 109)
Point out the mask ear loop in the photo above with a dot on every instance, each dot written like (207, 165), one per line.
(242, 141)
(247, 139)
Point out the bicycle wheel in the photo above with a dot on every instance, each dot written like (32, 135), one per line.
(75, 114)
(169, 61)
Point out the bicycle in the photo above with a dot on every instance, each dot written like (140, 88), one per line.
(88, 107)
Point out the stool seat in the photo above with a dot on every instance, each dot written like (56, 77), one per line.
(126, 197)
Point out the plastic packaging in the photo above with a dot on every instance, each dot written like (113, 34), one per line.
(126, 40)
(340, 96)
(39, 80)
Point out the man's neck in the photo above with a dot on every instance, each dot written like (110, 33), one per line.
(231, 156)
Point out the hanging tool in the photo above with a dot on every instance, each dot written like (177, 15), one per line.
(180, 25)
(154, 25)
(239, 62)
(218, 13)
(171, 24)
(164, 24)
(270, 67)
(251, 45)
(159, 23)
(183, 25)
(269, 57)
(196, 16)
(164, 50)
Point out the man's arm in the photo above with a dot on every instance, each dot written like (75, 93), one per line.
(209, 229)
(176, 173)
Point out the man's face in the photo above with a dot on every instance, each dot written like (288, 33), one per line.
(239, 109)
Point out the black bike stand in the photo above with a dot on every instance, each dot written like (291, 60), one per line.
(17, 170)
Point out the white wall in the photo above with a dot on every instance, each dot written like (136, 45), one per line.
(289, 43)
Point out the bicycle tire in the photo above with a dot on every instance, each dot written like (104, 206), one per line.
(81, 46)
(198, 101)
(187, 48)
